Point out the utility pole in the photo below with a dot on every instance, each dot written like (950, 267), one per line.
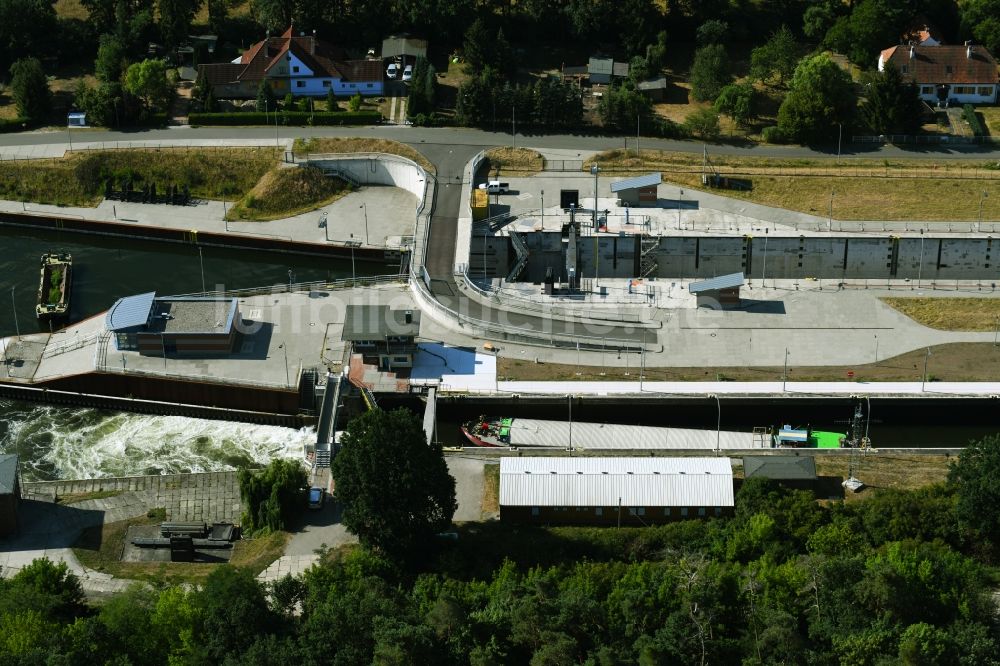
(784, 373)
(637, 117)
(364, 204)
(569, 399)
(201, 264)
(13, 306)
(594, 169)
(927, 358)
(920, 266)
(996, 330)
(763, 268)
(876, 348)
(829, 222)
(718, 422)
(840, 133)
(680, 204)
(543, 210)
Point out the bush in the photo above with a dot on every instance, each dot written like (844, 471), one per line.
(296, 118)
(970, 116)
(703, 123)
(13, 124)
(773, 134)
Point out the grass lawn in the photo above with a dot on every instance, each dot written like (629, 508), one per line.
(100, 548)
(514, 161)
(360, 145)
(950, 314)
(71, 9)
(491, 488)
(78, 178)
(887, 470)
(285, 192)
(863, 189)
(991, 114)
(75, 498)
(955, 362)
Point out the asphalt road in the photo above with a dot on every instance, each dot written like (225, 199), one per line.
(451, 136)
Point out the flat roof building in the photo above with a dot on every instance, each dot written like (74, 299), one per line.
(10, 494)
(791, 471)
(614, 490)
(719, 292)
(188, 326)
(377, 330)
(639, 190)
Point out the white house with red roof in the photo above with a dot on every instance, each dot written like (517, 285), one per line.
(298, 64)
(967, 74)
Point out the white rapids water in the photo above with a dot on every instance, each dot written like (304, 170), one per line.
(71, 443)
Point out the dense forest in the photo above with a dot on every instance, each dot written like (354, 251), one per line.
(902, 577)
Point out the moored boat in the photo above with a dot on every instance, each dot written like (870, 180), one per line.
(54, 286)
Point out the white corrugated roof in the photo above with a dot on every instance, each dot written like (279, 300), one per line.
(615, 436)
(593, 482)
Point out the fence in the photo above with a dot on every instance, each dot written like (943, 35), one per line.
(923, 139)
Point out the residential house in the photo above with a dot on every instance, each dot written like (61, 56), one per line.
(602, 69)
(613, 490)
(966, 74)
(299, 64)
(655, 88)
(404, 46)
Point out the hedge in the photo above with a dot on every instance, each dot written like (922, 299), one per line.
(13, 124)
(969, 113)
(287, 118)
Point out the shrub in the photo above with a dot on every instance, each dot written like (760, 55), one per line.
(970, 116)
(773, 134)
(296, 118)
(13, 124)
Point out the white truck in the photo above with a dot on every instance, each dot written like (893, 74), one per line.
(495, 187)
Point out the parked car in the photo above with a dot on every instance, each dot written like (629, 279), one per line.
(408, 73)
(316, 496)
(392, 71)
(495, 187)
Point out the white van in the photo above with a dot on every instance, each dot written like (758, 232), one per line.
(392, 71)
(495, 187)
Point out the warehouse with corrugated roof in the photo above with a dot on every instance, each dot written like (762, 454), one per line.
(614, 490)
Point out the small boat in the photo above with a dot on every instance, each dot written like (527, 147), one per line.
(54, 286)
(488, 431)
(807, 438)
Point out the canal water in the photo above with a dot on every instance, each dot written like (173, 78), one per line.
(106, 268)
(60, 442)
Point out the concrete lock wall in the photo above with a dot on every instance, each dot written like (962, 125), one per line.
(616, 256)
(380, 170)
(824, 257)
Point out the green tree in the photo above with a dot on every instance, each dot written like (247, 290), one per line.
(737, 101)
(776, 58)
(175, 19)
(27, 28)
(275, 15)
(266, 101)
(396, 505)
(484, 48)
(981, 20)
(711, 32)
(891, 105)
(218, 12)
(331, 100)
(43, 586)
(147, 80)
(203, 93)
(273, 496)
(710, 72)
(30, 89)
(112, 59)
(354, 104)
(819, 18)
(820, 96)
(232, 613)
(621, 106)
(703, 123)
(975, 476)
(656, 53)
(923, 645)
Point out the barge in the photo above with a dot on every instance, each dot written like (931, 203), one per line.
(54, 286)
(514, 432)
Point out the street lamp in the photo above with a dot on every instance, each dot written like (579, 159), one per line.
(569, 400)
(981, 197)
(543, 210)
(876, 349)
(920, 266)
(288, 381)
(594, 169)
(680, 204)
(763, 268)
(353, 244)
(927, 358)
(718, 421)
(784, 373)
(364, 205)
(201, 265)
(829, 223)
(13, 306)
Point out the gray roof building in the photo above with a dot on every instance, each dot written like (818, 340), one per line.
(731, 281)
(130, 311)
(780, 468)
(650, 179)
(378, 322)
(404, 45)
(8, 474)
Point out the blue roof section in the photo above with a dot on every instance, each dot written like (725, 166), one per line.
(721, 282)
(639, 181)
(130, 311)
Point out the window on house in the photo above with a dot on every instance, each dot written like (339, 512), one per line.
(947, 69)
(631, 511)
(666, 511)
(295, 69)
(599, 511)
(684, 511)
(927, 90)
(300, 84)
(986, 91)
(904, 69)
(370, 85)
(326, 84)
(964, 90)
(718, 510)
(534, 511)
(701, 511)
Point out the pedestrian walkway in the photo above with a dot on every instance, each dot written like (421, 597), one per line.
(287, 565)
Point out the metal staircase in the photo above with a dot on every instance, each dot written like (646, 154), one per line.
(648, 260)
(327, 425)
(340, 173)
(521, 250)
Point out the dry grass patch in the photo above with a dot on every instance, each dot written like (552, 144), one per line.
(362, 145)
(491, 489)
(78, 179)
(515, 161)
(956, 362)
(71, 9)
(862, 189)
(285, 192)
(950, 314)
(100, 548)
(887, 470)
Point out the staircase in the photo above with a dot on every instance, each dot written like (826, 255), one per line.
(521, 249)
(307, 390)
(327, 425)
(340, 173)
(648, 261)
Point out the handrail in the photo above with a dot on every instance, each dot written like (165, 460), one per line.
(332, 285)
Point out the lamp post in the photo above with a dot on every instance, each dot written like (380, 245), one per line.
(876, 349)
(364, 205)
(763, 268)
(680, 203)
(513, 127)
(920, 266)
(569, 400)
(840, 133)
(13, 307)
(353, 244)
(996, 330)
(594, 169)
(927, 358)
(981, 197)
(784, 373)
(718, 421)
(543, 210)
(285, 350)
(201, 265)
(829, 222)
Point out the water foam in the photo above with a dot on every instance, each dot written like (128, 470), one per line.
(63, 443)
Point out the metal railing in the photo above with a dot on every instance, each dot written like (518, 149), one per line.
(328, 285)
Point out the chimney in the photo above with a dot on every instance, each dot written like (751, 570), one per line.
(968, 50)
(912, 53)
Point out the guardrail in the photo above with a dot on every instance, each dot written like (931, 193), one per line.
(329, 285)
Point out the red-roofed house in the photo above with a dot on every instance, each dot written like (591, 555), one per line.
(297, 64)
(967, 73)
